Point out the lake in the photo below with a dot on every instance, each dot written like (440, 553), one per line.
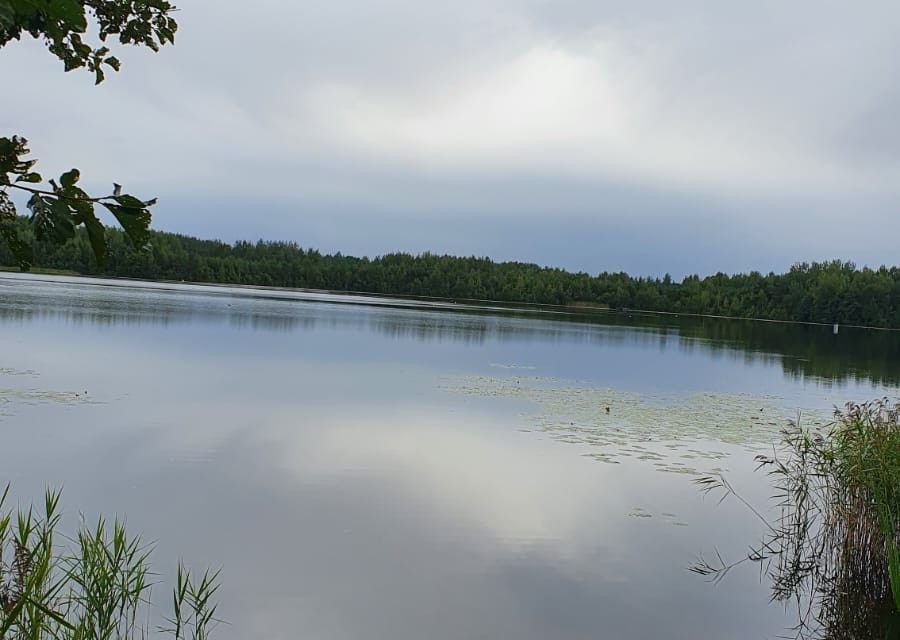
(373, 468)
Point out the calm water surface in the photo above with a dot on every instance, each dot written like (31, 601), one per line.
(367, 468)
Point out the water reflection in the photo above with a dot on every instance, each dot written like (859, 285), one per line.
(306, 445)
(350, 527)
(803, 352)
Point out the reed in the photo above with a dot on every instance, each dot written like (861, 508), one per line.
(95, 585)
(834, 548)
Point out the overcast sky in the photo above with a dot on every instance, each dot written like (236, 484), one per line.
(641, 136)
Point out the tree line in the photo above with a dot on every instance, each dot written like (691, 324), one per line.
(810, 292)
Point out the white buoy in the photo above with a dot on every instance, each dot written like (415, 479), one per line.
(835, 328)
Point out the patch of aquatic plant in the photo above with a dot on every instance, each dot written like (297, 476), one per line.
(512, 365)
(93, 585)
(834, 550)
(29, 396)
(11, 398)
(8, 371)
(664, 517)
(665, 430)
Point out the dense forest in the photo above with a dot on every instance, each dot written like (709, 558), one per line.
(818, 292)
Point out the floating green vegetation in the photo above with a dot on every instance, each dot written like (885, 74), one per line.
(664, 517)
(512, 365)
(8, 371)
(33, 397)
(673, 432)
(11, 399)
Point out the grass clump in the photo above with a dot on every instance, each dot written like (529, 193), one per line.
(867, 453)
(834, 548)
(95, 585)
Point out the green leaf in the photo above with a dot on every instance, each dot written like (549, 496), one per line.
(64, 226)
(31, 177)
(7, 208)
(7, 15)
(96, 235)
(21, 251)
(135, 220)
(129, 201)
(70, 178)
(70, 12)
(11, 616)
(58, 618)
(10, 151)
(81, 209)
(51, 219)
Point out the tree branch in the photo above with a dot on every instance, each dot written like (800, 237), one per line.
(42, 192)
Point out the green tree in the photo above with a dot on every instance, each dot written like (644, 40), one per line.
(59, 207)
